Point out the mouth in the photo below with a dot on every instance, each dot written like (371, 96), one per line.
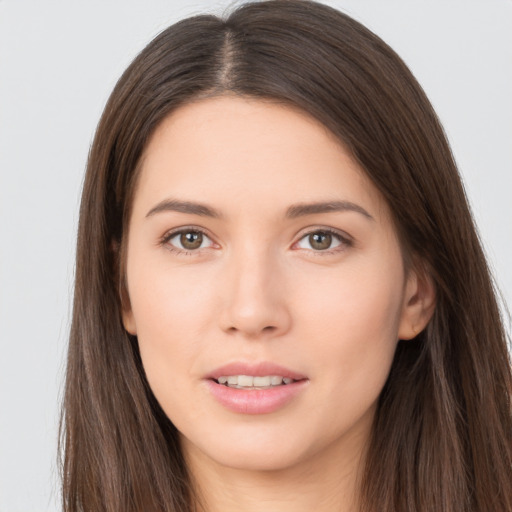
(259, 388)
(253, 382)
(264, 374)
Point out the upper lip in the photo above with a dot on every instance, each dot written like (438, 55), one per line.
(259, 369)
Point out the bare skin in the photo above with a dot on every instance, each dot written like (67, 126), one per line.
(227, 263)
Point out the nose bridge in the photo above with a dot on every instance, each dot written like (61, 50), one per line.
(255, 301)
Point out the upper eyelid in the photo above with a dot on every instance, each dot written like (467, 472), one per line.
(179, 251)
(184, 229)
(343, 236)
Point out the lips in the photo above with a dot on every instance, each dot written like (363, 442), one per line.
(256, 390)
(251, 382)
(261, 369)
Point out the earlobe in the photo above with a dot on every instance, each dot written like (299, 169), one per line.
(126, 310)
(129, 322)
(418, 305)
(118, 249)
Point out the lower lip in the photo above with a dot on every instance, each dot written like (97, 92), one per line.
(255, 401)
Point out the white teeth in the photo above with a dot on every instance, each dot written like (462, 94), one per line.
(248, 381)
(261, 381)
(245, 380)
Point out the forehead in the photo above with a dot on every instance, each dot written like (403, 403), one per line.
(242, 153)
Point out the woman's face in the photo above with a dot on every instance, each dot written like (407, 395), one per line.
(258, 250)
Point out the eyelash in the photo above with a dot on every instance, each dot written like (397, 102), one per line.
(345, 241)
(168, 236)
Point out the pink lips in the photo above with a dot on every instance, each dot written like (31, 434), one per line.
(255, 401)
(256, 370)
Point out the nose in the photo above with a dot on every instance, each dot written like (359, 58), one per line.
(255, 302)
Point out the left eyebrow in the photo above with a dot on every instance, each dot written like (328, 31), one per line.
(302, 209)
(173, 205)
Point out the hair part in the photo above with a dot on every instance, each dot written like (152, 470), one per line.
(443, 430)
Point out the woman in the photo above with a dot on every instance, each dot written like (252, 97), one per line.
(281, 301)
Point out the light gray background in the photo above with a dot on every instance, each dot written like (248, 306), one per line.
(58, 63)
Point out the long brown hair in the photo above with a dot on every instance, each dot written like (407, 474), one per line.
(442, 434)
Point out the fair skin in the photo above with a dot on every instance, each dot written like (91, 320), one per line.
(254, 279)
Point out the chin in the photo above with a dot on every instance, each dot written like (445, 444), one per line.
(263, 449)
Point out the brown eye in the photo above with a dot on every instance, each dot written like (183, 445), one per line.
(191, 240)
(320, 241)
(188, 240)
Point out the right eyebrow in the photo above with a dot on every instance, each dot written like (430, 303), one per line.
(174, 205)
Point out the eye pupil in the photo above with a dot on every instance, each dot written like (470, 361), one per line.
(320, 240)
(191, 239)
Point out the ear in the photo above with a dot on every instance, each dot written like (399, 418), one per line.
(129, 320)
(418, 305)
(118, 249)
(126, 308)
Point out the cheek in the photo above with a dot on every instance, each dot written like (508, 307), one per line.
(172, 311)
(168, 311)
(361, 301)
(348, 334)
(349, 324)
(168, 301)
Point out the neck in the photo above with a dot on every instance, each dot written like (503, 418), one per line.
(327, 482)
